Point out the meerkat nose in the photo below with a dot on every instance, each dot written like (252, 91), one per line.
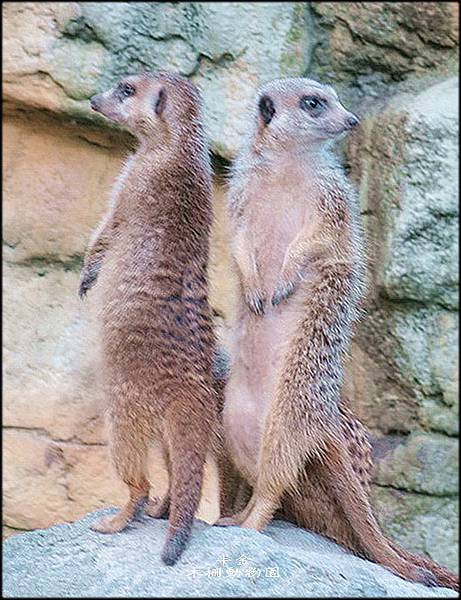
(352, 121)
(95, 102)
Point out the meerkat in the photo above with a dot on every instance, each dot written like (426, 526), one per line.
(297, 245)
(149, 256)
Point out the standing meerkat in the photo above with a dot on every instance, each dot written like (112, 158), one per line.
(298, 250)
(150, 256)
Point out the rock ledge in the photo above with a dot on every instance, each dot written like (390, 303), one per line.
(72, 561)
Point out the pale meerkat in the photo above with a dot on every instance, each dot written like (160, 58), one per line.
(298, 250)
(150, 256)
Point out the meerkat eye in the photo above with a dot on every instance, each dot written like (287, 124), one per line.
(127, 90)
(313, 104)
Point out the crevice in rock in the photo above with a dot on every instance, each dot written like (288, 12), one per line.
(412, 491)
(73, 263)
(72, 441)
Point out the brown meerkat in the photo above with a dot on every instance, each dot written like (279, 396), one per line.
(150, 256)
(298, 250)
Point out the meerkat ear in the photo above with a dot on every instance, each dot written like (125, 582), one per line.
(267, 109)
(160, 103)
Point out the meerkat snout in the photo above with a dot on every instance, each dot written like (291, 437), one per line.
(95, 102)
(353, 121)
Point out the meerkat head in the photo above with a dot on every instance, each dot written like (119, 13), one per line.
(301, 111)
(149, 104)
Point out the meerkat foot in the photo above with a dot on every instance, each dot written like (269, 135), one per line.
(259, 513)
(238, 518)
(87, 280)
(158, 508)
(417, 574)
(112, 524)
(256, 521)
(133, 508)
(426, 577)
(235, 519)
(227, 521)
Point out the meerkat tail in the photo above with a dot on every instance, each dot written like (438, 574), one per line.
(313, 506)
(445, 577)
(187, 459)
(353, 500)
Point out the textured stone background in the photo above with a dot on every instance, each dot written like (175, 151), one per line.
(396, 65)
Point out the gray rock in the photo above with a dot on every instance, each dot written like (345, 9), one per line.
(285, 561)
(424, 342)
(406, 164)
(421, 258)
(422, 462)
(370, 45)
(428, 525)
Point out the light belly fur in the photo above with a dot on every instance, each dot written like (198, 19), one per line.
(258, 344)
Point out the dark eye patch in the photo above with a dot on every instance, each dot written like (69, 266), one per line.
(314, 105)
(266, 109)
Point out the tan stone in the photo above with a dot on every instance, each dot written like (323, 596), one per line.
(385, 38)
(48, 482)
(30, 31)
(34, 487)
(50, 355)
(56, 186)
(93, 483)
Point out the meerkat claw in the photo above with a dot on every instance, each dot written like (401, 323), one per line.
(88, 277)
(426, 577)
(255, 303)
(82, 290)
(86, 284)
(282, 292)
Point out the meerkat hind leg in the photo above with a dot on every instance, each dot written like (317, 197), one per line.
(241, 505)
(229, 481)
(259, 512)
(243, 496)
(256, 514)
(158, 507)
(129, 458)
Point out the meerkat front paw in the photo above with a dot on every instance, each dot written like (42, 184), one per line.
(88, 277)
(87, 281)
(255, 300)
(282, 292)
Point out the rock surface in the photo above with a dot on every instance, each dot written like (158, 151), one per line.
(69, 51)
(284, 561)
(368, 46)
